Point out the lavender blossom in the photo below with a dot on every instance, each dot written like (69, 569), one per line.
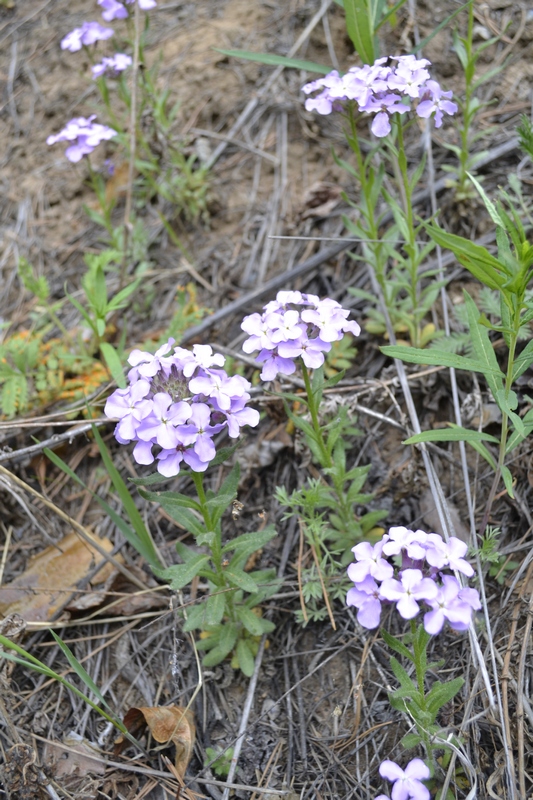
(411, 587)
(407, 784)
(417, 576)
(112, 9)
(176, 402)
(295, 326)
(382, 89)
(117, 63)
(85, 133)
(89, 33)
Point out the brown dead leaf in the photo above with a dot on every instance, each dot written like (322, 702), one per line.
(117, 184)
(166, 724)
(133, 602)
(78, 757)
(51, 575)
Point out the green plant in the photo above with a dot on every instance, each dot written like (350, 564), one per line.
(470, 106)
(327, 505)
(219, 760)
(229, 616)
(509, 273)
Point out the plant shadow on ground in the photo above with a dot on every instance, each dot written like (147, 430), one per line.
(320, 721)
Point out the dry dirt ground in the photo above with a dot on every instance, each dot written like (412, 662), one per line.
(319, 722)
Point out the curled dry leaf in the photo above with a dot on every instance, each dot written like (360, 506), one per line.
(167, 724)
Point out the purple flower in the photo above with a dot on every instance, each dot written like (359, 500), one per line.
(238, 415)
(405, 592)
(274, 364)
(169, 461)
(85, 133)
(177, 403)
(381, 89)
(130, 406)
(199, 431)
(365, 597)
(112, 9)
(146, 5)
(369, 562)
(216, 384)
(146, 365)
(284, 332)
(400, 538)
(406, 783)
(435, 101)
(160, 425)
(441, 554)
(117, 63)
(452, 603)
(89, 33)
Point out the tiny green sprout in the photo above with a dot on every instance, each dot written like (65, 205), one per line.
(525, 135)
(219, 760)
(488, 553)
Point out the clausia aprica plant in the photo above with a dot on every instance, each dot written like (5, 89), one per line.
(177, 405)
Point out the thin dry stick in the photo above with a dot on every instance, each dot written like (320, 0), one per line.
(7, 532)
(245, 715)
(299, 572)
(83, 532)
(133, 141)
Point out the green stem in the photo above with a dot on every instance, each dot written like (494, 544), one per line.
(327, 461)
(468, 112)
(410, 244)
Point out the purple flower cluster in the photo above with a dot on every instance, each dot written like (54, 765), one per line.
(85, 133)
(178, 400)
(112, 9)
(117, 63)
(407, 783)
(420, 577)
(295, 325)
(89, 33)
(382, 89)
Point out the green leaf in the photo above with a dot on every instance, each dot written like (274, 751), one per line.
(145, 549)
(148, 550)
(245, 657)
(476, 259)
(489, 205)
(442, 693)
(253, 624)
(215, 607)
(411, 740)
(508, 480)
(455, 434)
(223, 454)
(248, 543)
(359, 26)
(483, 348)
(276, 61)
(507, 404)
(79, 670)
(433, 357)
(403, 678)
(523, 361)
(151, 480)
(396, 645)
(171, 499)
(113, 363)
(226, 642)
(180, 575)
(239, 578)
